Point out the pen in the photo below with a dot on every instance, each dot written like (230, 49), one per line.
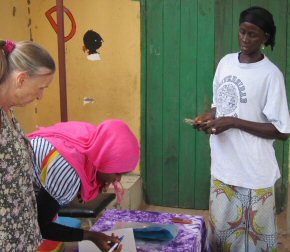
(116, 245)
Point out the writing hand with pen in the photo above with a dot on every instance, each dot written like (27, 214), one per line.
(104, 242)
(117, 246)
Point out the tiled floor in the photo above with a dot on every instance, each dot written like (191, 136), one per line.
(284, 238)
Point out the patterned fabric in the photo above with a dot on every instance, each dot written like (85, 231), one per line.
(19, 229)
(241, 219)
(190, 237)
(54, 173)
(52, 155)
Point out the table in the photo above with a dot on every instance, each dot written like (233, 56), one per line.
(191, 237)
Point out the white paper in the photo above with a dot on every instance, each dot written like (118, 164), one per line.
(128, 242)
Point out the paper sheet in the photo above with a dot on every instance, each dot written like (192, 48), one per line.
(128, 243)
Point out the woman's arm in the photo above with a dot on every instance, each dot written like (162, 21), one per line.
(264, 130)
(48, 207)
(207, 122)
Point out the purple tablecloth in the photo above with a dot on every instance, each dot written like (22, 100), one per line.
(190, 237)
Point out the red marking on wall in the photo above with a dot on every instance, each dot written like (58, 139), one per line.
(48, 14)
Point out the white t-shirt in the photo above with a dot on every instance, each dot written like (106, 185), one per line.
(254, 92)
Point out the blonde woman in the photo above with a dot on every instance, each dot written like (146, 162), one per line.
(26, 70)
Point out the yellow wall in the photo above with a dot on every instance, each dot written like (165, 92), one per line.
(113, 83)
(16, 25)
(14, 19)
(48, 109)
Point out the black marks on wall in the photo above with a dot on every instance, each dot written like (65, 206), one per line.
(29, 24)
(92, 42)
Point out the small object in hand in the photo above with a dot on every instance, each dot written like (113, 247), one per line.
(181, 220)
(116, 245)
(192, 122)
(189, 121)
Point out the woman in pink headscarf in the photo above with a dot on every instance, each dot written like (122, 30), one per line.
(78, 159)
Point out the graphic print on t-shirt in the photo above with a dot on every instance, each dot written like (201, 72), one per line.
(229, 94)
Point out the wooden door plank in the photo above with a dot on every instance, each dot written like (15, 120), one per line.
(223, 28)
(143, 158)
(262, 3)
(286, 144)
(278, 56)
(237, 7)
(171, 99)
(154, 147)
(188, 87)
(205, 71)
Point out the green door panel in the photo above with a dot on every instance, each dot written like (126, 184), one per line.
(178, 73)
(182, 42)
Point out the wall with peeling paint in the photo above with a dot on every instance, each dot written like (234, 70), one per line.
(96, 90)
(15, 20)
(16, 25)
(48, 109)
(110, 87)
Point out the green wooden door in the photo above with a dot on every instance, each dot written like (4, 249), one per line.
(182, 41)
(178, 67)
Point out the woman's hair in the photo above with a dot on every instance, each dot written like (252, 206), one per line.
(23, 56)
(261, 18)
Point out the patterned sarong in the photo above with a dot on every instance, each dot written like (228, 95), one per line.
(241, 219)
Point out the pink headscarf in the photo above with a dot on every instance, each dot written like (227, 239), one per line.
(110, 147)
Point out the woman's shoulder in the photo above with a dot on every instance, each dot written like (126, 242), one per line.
(230, 57)
(271, 65)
